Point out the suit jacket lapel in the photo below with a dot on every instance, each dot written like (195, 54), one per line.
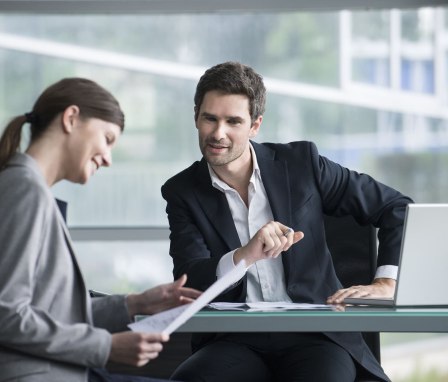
(62, 221)
(276, 182)
(215, 206)
(274, 174)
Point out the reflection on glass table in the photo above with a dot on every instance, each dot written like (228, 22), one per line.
(343, 320)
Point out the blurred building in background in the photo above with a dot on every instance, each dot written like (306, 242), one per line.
(369, 87)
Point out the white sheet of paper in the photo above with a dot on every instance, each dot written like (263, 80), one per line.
(263, 306)
(228, 305)
(286, 305)
(169, 320)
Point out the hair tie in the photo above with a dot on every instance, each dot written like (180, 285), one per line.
(30, 117)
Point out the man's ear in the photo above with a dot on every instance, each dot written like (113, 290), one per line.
(255, 127)
(196, 115)
(69, 118)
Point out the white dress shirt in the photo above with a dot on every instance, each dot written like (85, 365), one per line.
(265, 278)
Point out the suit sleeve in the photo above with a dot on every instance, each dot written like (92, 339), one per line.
(24, 326)
(110, 313)
(194, 245)
(346, 192)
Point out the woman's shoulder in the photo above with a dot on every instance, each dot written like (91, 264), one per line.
(22, 188)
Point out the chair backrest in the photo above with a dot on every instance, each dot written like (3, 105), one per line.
(62, 207)
(354, 252)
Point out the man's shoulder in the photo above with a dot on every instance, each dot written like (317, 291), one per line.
(287, 146)
(285, 149)
(183, 177)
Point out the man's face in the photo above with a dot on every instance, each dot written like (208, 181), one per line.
(225, 127)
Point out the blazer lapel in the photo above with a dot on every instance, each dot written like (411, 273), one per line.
(275, 178)
(276, 182)
(60, 213)
(215, 206)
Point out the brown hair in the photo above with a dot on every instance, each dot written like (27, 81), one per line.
(93, 102)
(233, 78)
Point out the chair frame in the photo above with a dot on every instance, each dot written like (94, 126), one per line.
(339, 235)
(355, 261)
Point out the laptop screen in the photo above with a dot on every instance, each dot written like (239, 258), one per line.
(423, 269)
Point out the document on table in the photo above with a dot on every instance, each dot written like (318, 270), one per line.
(169, 320)
(260, 306)
(263, 306)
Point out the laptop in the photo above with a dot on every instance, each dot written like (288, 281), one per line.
(422, 278)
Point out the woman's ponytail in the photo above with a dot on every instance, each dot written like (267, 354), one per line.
(93, 101)
(10, 140)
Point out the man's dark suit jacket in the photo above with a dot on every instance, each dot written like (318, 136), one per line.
(301, 187)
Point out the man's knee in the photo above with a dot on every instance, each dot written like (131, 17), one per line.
(223, 362)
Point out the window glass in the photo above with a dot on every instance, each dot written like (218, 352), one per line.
(371, 47)
(153, 62)
(417, 25)
(445, 18)
(445, 87)
(417, 50)
(367, 98)
(124, 266)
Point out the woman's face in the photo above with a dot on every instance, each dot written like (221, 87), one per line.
(90, 147)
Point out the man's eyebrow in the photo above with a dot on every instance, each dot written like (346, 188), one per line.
(228, 117)
(205, 114)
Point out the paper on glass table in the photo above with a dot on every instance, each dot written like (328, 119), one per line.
(169, 320)
(268, 306)
(286, 306)
(228, 305)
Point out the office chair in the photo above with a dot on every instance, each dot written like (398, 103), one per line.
(353, 249)
(62, 207)
(354, 252)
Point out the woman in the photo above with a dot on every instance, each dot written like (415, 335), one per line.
(49, 328)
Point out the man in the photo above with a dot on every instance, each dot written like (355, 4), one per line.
(239, 202)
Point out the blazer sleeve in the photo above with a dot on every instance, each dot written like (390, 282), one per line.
(195, 245)
(110, 313)
(25, 326)
(347, 192)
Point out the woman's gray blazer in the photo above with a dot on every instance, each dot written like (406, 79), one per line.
(47, 318)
